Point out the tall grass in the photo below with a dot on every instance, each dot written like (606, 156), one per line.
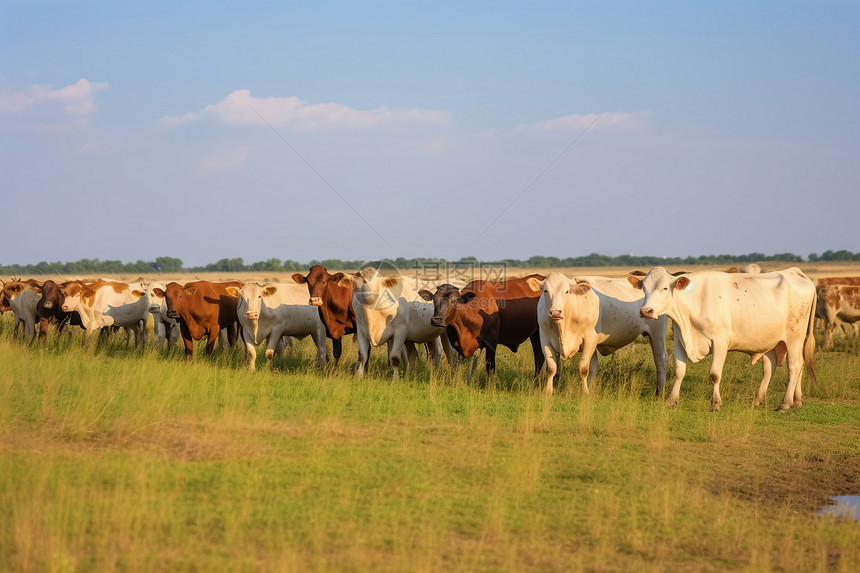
(113, 459)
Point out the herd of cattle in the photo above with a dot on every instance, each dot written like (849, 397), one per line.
(769, 316)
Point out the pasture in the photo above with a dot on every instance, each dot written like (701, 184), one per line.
(113, 459)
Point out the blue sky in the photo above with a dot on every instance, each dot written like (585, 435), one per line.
(363, 130)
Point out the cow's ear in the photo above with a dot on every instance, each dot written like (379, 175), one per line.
(534, 284)
(732, 270)
(635, 281)
(682, 283)
(466, 297)
(637, 273)
(425, 294)
(344, 281)
(158, 292)
(269, 290)
(233, 291)
(390, 282)
(300, 278)
(138, 293)
(190, 288)
(580, 289)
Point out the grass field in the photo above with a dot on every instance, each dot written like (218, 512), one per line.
(113, 460)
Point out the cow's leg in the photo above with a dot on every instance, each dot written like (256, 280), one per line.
(336, 349)
(43, 331)
(537, 351)
(589, 350)
(593, 368)
(363, 355)
(768, 361)
(250, 350)
(680, 356)
(450, 353)
(552, 360)
(794, 391)
(829, 328)
(397, 352)
(491, 358)
(212, 338)
(319, 341)
(717, 373)
(435, 347)
(661, 361)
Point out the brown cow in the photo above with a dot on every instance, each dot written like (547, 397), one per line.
(485, 314)
(332, 294)
(840, 303)
(203, 309)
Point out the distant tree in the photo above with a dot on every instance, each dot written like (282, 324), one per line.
(168, 264)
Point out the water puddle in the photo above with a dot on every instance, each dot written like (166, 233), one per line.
(847, 506)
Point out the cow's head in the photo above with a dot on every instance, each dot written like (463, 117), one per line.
(445, 301)
(76, 296)
(176, 296)
(52, 296)
(252, 296)
(323, 286)
(155, 292)
(556, 291)
(659, 288)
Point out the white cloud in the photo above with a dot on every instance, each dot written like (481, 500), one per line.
(223, 161)
(75, 100)
(240, 108)
(607, 120)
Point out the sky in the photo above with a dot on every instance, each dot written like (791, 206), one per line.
(369, 130)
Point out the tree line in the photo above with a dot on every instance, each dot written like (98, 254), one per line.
(168, 265)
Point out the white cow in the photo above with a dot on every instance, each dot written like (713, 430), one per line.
(389, 310)
(767, 315)
(272, 312)
(22, 299)
(593, 313)
(167, 330)
(108, 303)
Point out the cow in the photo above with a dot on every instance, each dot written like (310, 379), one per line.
(485, 314)
(49, 310)
(105, 304)
(768, 316)
(166, 329)
(821, 310)
(840, 304)
(272, 312)
(203, 309)
(585, 314)
(332, 295)
(388, 310)
(22, 298)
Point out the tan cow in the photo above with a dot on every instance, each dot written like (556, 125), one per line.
(840, 304)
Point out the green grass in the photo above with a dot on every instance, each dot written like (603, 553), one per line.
(112, 459)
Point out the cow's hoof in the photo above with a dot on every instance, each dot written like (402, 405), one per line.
(715, 407)
(783, 407)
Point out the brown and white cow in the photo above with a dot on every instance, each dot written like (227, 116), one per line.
(484, 314)
(840, 304)
(590, 315)
(768, 316)
(275, 311)
(203, 309)
(104, 304)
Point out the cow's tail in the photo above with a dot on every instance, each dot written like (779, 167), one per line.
(809, 343)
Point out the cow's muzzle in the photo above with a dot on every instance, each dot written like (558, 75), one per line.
(155, 308)
(65, 308)
(437, 322)
(172, 314)
(315, 301)
(48, 304)
(555, 314)
(252, 315)
(647, 312)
